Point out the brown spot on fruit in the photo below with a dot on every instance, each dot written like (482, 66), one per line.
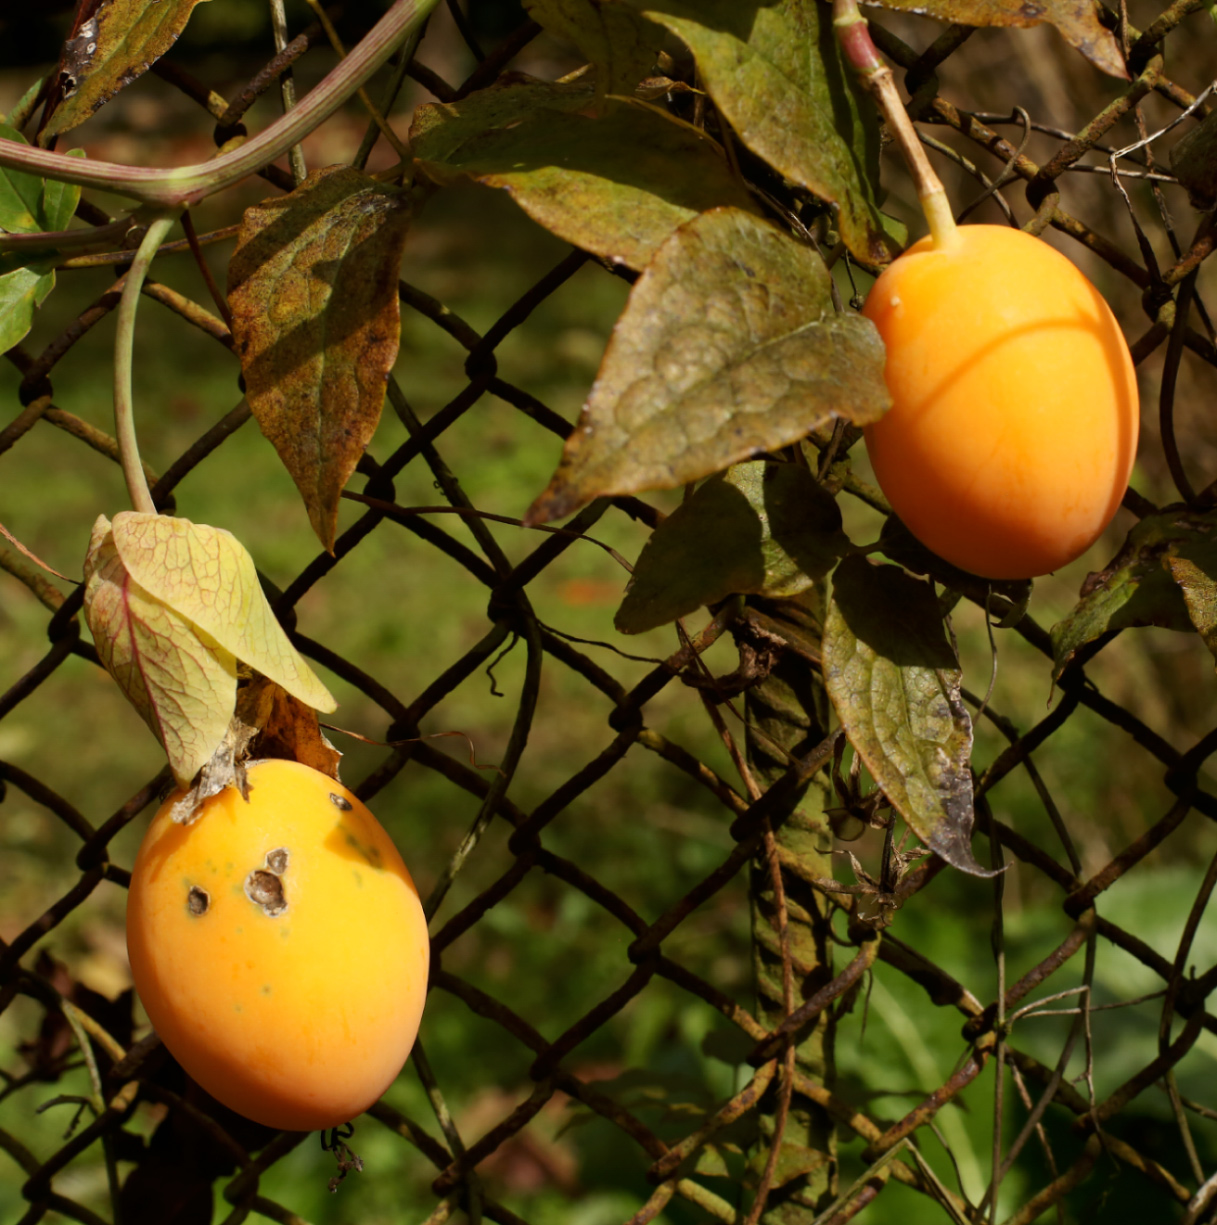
(197, 900)
(265, 890)
(340, 801)
(276, 860)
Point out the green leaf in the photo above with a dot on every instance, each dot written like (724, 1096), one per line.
(1006, 599)
(758, 528)
(1078, 21)
(615, 39)
(119, 42)
(22, 290)
(729, 346)
(1161, 576)
(438, 130)
(28, 205)
(316, 320)
(616, 184)
(775, 70)
(20, 194)
(894, 681)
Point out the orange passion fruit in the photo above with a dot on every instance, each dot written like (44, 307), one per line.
(1014, 417)
(279, 947)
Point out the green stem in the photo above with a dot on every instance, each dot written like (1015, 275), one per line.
(876, 76)
(124, 345)
(187, 185)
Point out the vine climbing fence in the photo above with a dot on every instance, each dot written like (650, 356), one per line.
(687, 964)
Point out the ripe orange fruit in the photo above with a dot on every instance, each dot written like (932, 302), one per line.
(279, 947)
(1015, 415)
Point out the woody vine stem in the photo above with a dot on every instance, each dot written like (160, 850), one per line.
(188, 184)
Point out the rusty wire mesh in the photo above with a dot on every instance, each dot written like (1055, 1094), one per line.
(1075, 1133)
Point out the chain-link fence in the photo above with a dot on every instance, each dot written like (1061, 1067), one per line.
(1032, 1047)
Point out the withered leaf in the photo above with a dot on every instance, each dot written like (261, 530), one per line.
(183, 685)
(729, 345)
(758, 528)
(206, 574)
(313, 291)
(1077, 20)
(776, 72)
(119, 42)
(616, 184)
(172, 606)
(894, 681)
(285, 726)
(1163, 575)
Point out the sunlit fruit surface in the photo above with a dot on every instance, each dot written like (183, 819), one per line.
(279, 947)
(1015, 415)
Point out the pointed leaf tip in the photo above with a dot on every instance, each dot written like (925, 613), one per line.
(729, 346)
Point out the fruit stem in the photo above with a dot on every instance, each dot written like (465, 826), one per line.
(863, 56)
(124, 344)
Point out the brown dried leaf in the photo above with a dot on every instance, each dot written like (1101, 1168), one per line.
(286, 726)
(1078, 21)
(729, 345)
(313, 291)
(118, 43)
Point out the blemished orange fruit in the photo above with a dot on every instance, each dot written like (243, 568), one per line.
(279, 947)
(1015, 415)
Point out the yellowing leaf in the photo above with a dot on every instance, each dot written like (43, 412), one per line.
(313, 291)
(183, 685)
(616, 183)
(728, 346)
(206, 576)
(120, 41)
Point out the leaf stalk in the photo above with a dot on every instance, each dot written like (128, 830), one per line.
(124, 345)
